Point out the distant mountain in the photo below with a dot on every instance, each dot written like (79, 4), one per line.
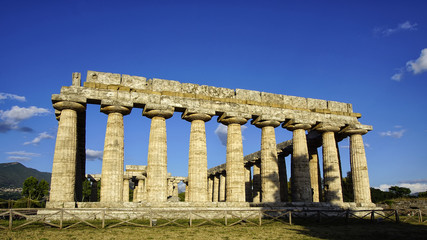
(14, 174)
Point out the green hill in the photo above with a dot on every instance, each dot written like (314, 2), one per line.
(14, 174)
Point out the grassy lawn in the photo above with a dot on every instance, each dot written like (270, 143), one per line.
(273, 230)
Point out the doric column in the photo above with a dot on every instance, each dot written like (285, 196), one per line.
(197, 160)
(113, 158)
(215, 193)
(256, 184)
(157, 154)
(235, 182)
(65, 156)
(283, 178)
(222, 187)
(359, 166)
(170, 187)
(186, 191)
(315, 174)
(270, 185)
(331, 166)
(300, 171)
(125, 189)
(135, 190)
(175, 189)
(210, 189)
(248, 183)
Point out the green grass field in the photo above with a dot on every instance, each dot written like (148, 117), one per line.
(273, 230)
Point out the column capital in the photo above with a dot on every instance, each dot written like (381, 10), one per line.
(327, 127)
(196, 116)
(355, 129)
(266, 123)
(233, 118)
(116, 109)
(78, 107)
(158, 111)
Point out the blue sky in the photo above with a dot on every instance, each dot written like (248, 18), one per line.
(373, 55)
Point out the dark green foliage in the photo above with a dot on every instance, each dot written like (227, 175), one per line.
(181, 196)
(86, 190)
(422, 194)
(399, 192)
(347, 188)
(35, 190)
(14, 174)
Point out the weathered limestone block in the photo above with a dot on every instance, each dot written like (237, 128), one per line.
(65, 156)
(272, 98)
(113, 158)
(134, 82)
(316, 103)
(160, 85)
(337, 106)
(215, 92)
(297, 102)
(248, 95)
(104, 78)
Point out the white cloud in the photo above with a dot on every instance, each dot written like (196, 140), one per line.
(18, 158)
(367, 145)
(92, 155)
(37, 140)
(415, 187)
(398, 76)
(24, 153)
(405, 26)
(419, 65)
(11, 118)
(394, 134)
(221, 132)
(12, 96)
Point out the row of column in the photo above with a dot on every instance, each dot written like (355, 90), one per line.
(64, 166)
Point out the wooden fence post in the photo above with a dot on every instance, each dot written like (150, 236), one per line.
(260, 217)
(290, 217)
(103, 218)
(61, 216)
(10, 218)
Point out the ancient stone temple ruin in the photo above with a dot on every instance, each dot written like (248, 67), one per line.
(258, 178)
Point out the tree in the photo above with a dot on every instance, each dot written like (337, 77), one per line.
(347, 188)
(399, 192)
(86, 190)
(35, 190)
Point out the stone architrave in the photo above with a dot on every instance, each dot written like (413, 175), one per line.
(64, 160)
(197, 161)
(222, 187)
(256, 191)
(157, 155)
(283, 178)
(331, 165)
(315, 174)
(113, 158)
(359, 167)
(300, 171)
(235, 183)
(270, 185)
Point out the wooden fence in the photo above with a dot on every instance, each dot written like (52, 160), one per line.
(14, 219)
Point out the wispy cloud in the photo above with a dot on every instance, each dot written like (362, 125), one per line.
(11, 118)
(367, 145)
(21, 155)
(92, 155)
(394, 134)
(4, 96)
(221, 132)
(416, 66)
(405, 26)
(39, 138)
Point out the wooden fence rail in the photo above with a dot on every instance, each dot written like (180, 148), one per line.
(14, 219)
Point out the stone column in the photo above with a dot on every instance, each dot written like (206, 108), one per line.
(141, 192)
(135, 191)
(248, 183)
(270, 185)
(222, 187)
(283, 178)
(113, 158)
(215, 188)
(186, 191)
(175, 189)
(235, 183)
(331, 166)
(300, 171)
(256, 184)
(316, 186)
(125, 189)
(170, 187)
(359, 167)
(197, 161)
(157, 155)
(210, 189)
(64, 159)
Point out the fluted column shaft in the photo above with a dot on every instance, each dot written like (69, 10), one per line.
(270, 185)
(315, 174)
(64, 160)
(331, 168)
(197, 161)
(113, 158)
(222, 187)
(210, 189)
(215, 188)
(256, 191)
(175, 189)
(156, 184)
(126, 190)
(300, 171)
(359, 170)
(235, 181)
